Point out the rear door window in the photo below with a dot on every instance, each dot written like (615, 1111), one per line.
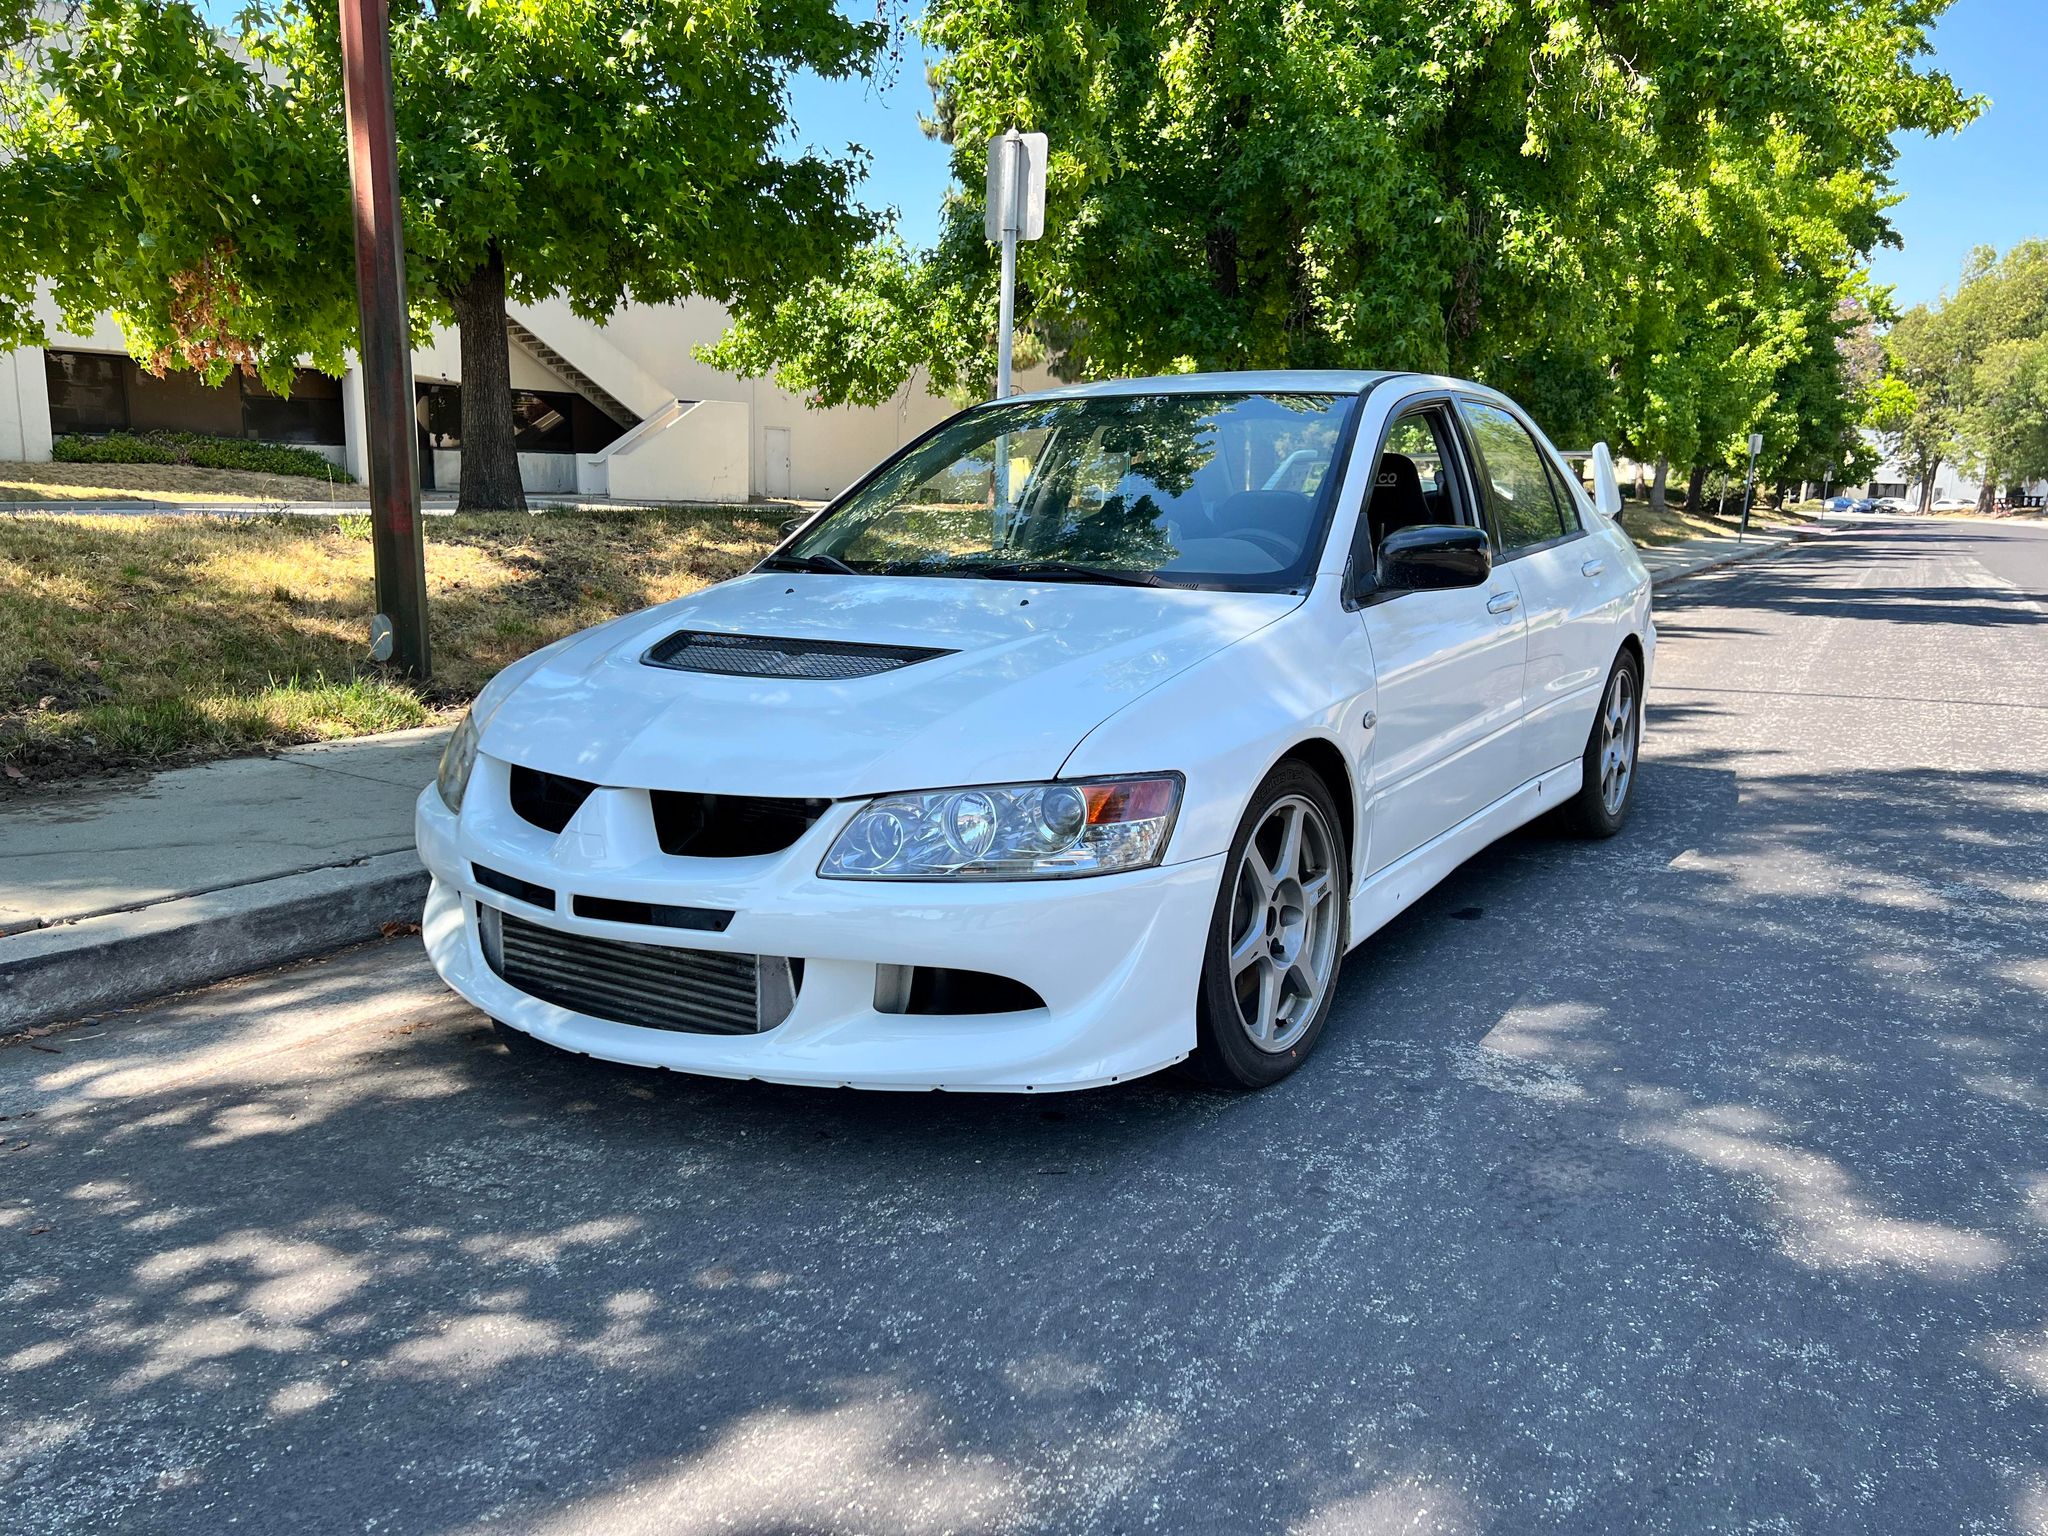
(1520, 492)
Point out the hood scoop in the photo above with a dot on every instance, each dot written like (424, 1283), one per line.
(831, 661)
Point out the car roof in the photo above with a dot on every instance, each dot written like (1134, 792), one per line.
(1319, 381)
(1315, 381)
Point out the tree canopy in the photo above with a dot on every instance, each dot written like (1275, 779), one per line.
(603, 151)
(1647, 218)
(1968, 377)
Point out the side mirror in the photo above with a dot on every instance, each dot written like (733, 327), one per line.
(1606, 488)
(1434, 556)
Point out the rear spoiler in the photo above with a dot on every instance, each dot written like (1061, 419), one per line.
(1606, 488)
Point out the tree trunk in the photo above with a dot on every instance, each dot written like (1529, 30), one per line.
(1696, 489)
(1927, 488)
(490, 461)
(1660, 501)
(1987, 495)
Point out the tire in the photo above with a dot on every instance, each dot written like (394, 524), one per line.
(1600, 808)
(1287, 923)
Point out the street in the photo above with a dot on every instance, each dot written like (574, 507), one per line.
(1695, 1181)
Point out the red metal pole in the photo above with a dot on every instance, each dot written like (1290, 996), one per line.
(397, 545)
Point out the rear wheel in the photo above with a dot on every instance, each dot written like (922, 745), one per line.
(1612, 747)
(1276, 939)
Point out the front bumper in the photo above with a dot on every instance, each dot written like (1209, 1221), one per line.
(1116, 959)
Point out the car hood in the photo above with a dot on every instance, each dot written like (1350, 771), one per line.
(1031, 669)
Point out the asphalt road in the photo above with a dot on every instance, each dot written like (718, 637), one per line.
(1696, 1181)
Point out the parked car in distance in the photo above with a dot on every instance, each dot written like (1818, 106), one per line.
(1083, 737)
(1840, 504)
(1955, 504)
(1890, 504)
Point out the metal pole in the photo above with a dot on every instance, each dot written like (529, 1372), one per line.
(1748, 483)
(1013, 189)
(397, 546)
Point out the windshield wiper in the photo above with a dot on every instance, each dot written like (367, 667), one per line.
(1060, 570)
(816, 565)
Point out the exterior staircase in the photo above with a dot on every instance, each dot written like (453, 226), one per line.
(563, 368)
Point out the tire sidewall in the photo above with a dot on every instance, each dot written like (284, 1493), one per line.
(1223, 1054)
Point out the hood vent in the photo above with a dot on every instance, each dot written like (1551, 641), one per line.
(832, 661)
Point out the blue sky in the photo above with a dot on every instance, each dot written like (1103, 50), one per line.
(1987, 185)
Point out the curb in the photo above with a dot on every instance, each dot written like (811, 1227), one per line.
(1715, 562)
(102, 963)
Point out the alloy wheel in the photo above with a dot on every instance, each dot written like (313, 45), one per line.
(1617, 741)
(1283, 924)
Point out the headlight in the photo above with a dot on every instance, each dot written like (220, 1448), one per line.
(458, 758)
(1009, 831)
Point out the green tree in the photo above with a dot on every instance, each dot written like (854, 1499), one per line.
(1962, 371)
(603, 151)
(1475, 186)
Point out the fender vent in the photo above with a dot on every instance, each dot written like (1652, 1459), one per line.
(831, 661)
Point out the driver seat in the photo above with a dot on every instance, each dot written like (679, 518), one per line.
(1397, 499)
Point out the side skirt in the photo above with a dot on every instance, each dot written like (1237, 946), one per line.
(1384, 896)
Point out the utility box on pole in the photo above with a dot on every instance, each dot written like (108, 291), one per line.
(397, 542)
(1016, 211)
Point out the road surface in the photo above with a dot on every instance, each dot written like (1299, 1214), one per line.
(1696, 1181)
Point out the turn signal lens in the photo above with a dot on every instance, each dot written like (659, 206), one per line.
(1009, 831)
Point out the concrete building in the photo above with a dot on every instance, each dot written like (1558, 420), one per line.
(621, 410)
(1951, 483)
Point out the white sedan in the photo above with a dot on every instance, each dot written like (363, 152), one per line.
(1082, 738)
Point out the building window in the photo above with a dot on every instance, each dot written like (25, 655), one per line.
(311, 413)
(1881, 489)
(543, 421)
(87, 392)
(94, 392)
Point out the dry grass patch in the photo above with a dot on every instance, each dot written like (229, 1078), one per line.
(128, 641)
(162, 482)
(1678, 524)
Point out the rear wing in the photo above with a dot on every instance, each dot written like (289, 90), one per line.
(1606, 488)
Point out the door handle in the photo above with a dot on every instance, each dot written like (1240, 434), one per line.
(1503, 602)
(1592, 567)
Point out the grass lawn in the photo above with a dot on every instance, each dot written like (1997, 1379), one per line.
(1678, 524)
(134, 641)
(162, 482)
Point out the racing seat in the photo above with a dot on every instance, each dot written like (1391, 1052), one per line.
(1397, 498)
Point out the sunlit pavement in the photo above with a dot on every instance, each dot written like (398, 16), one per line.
(1697, 1181)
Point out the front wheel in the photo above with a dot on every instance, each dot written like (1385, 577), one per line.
(1276, 939)
(1612, 747)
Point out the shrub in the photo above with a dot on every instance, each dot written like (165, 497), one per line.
(197, 449)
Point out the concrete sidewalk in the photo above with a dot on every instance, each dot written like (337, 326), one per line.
(112, 896)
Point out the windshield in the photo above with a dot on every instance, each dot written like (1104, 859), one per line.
(1211, 490)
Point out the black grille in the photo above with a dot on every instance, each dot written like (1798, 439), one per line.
(511, 885)
(766, 656)
(687, 990)
(654, 914)
(547, 799)
(730, 826)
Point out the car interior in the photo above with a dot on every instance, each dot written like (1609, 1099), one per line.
(1413, 485)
